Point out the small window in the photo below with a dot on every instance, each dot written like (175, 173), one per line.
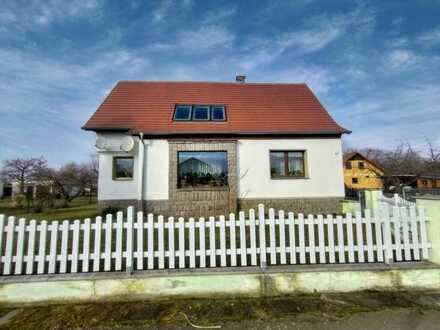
(123, 168)
(201, 112)
(182, 112)
(285, 164)
(354, 180)
(218, 113)
(348, 165)
(361, 165)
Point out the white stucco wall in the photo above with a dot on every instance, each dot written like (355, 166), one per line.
(324, 162)
(155, 175)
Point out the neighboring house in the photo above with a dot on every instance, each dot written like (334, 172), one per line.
(209, 148)
(394, 182)
(10, 189)
(361, 172)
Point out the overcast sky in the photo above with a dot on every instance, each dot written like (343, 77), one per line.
(375, 65)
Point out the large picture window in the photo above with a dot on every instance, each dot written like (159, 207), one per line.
(123, 168)
(202, 169)
(287, 164)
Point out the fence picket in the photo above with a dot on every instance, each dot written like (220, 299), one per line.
(2, 229)
(97, 245)
(253, 237)
(202, 247)
(379, 242)
(262, 235)
(360, 237)
(86, 246)
(405, 228)
(222, 241)
(414, 232)
(31, 247)
(181, 243)
(292, 240)
(369, 234)
(243, 251)
(341, 243)
(20, 246)
(350, 241)
(64, 245)
(129, 243)
(301, 238)
(53, 247)
(282, 235)
(331, 239)
(9, 241)
(212, 245)
(321, 239)
(312, 246)
(192, 244)
(171, 252)
(42, 247)
(396, 230)
(118, 247)
(75, 246)
(272, 243)
(161, 242)
(232, 239)
(140, 241)
(108, 242)
(150, 240)
(388, 249)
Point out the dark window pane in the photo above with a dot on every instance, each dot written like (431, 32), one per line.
(354, 180)
(277, 164)
(361, 165)
(123, 167)
(183, 112)
(201, 113)
(348, 165)
(218, 113)
(202, 169)
(296, 164)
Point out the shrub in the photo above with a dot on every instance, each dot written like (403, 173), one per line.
(18, 200)
(110, 210)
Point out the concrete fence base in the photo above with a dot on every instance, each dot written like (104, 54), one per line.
(249, 282)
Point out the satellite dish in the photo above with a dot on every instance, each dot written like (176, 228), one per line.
(127, 144)
(101, 143)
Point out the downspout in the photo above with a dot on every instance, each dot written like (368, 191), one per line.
(141, 160)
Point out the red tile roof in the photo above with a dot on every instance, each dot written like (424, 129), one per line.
(252, 108)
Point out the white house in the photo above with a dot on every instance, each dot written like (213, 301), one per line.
(208, 148)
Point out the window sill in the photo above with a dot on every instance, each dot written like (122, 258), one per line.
(203, 189)
(290, 178)
(123, 179)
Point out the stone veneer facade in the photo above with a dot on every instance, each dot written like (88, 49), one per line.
(206, 202)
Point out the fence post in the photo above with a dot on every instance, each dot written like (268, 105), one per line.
(431, 207)
(372, 197)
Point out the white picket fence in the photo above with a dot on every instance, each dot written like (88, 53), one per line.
(157, 243)
(396, 201)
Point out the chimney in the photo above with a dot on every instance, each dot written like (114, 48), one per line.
(240, 79)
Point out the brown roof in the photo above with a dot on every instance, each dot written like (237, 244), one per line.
(252, 108)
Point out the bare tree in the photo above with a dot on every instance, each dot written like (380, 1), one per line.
(21, 170)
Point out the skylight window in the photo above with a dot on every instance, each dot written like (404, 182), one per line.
(183, 112)
(218, 113)
(201, 112)
(195, 112)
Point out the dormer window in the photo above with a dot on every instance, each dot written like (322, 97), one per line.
(218, 113)
(201, 112)
(182, 112)
(195, 112)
